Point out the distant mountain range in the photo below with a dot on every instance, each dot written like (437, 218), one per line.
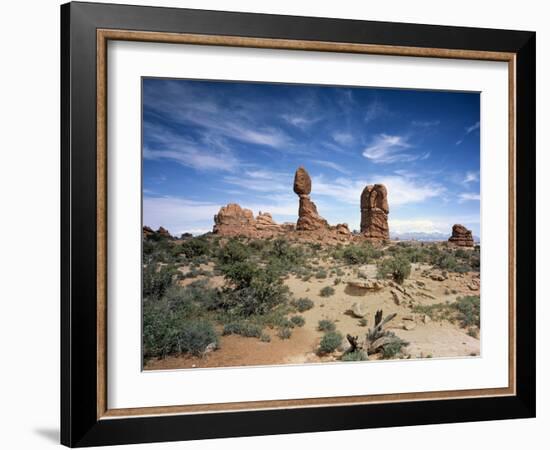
(421, 236)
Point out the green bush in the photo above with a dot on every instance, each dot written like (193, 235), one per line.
(194, 337)
(398, 267)
(302, 304)
(167, 329)
(326, 325)
(157, 280)
(265, 337)
(245, 329)
(232, 252)
(327, 291)
(469, 310)
(393, 348)
(330, 342)
(464, 309)
(284, 333)
(356, 355)
(321, 274)
(195, 247)
(299, 321)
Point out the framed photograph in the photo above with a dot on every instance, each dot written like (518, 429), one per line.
(276, 224)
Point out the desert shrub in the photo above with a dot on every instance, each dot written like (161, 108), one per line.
(393, 348)
(355, 255)
(156, 280)
(195, 336)
(398, 267)
(330, 342)
(243, 328)
(321, 274)
(241, 273)
(232, 252)
(167, 330)
(195, 247)
(469, 310)
(193, 298)
(337, 281)
(356, 355)
(327, 291)
(302, 304)
(315, 246)
(265, 337)
(464, 309)
(284, 333)
(473, 332)
(326, 325)
(261, 296)
(299, 321)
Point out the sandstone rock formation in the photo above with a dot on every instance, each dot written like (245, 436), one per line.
(161, 233)
(374, 212)
(308, 217)
(461, 236)
(232, 220)
(147, 232)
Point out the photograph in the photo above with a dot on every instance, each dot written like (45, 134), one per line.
(299, 224)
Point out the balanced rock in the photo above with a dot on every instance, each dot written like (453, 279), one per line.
(308, 217)
(461, 237)
(302, 182)
(374, 212)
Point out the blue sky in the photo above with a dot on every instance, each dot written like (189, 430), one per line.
(208, 143)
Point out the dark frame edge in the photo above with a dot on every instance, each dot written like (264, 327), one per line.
(65, 335)
(525, 223)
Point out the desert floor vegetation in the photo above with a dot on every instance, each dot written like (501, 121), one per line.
(212, 302)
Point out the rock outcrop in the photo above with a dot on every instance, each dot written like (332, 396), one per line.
(461, 237)
(161, 233)
(374, 212)
(308, 217)
(232, 220)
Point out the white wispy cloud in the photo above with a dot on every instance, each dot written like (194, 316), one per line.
(343, 138)
(237, 120)
(401, 190)
(475, 126)
(386, 148)
(468, 196)
(468, 130)
(433, 224)
(179, 215)
(300, 121)
(210, 155)
(331, 165)
(471, 177)
(261, 181)
(190, 156)
(375, 110)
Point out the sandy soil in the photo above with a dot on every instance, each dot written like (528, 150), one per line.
(427, 338)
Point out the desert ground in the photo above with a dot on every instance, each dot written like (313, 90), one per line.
(220, 302)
